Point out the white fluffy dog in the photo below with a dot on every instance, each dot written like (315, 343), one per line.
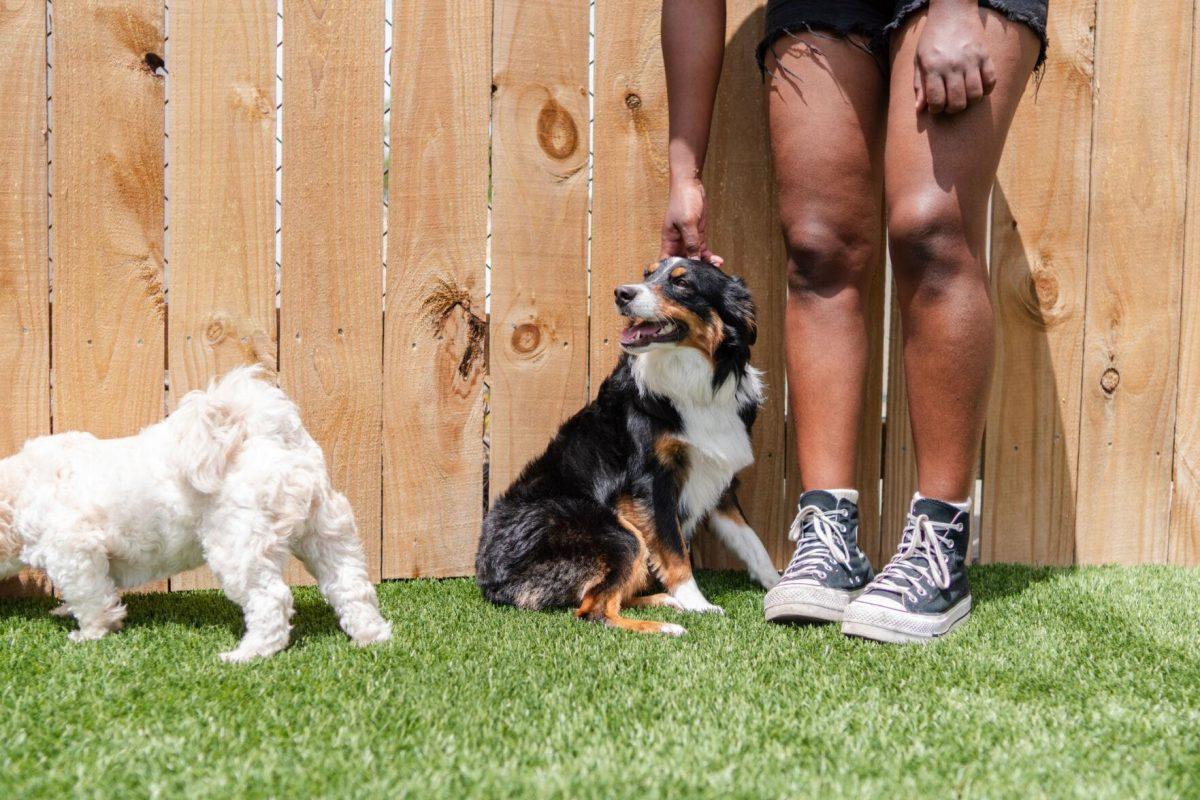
(231, 478)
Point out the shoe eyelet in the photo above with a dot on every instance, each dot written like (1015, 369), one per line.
(922, 592)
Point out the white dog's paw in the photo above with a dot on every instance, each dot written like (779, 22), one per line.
(671, 629)
(376, 634)
(671, 602)
(764, 578)
(244, 655)
(62, 611)
(87, 635)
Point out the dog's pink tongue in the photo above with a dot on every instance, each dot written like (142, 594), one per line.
(635, 332)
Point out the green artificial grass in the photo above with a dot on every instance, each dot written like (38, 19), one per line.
(1074, 683)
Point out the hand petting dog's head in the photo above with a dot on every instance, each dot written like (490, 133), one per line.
(687, 303)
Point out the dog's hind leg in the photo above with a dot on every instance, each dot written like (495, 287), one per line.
(248, 559)
(79, 568)
(332, 552)
(625, 574)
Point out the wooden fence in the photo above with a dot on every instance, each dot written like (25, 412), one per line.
(142, 252)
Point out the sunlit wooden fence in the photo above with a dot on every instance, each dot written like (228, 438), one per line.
(405, 210)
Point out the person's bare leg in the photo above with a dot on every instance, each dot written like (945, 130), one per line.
(939, 171)
(826, 102)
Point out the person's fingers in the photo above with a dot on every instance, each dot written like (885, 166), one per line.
(935, 93)
(713, 258)
(974, 82)
(693, 244)
(956, 93)
(987, 74)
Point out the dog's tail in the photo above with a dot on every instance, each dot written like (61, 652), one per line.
(213, 424)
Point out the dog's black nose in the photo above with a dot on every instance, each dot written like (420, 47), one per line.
(625, 294)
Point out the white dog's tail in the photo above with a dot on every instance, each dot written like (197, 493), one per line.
(213, 424)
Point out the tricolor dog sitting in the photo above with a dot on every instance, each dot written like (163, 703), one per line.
(612, 503)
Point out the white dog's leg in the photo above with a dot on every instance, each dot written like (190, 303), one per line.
(79, 568)
(250, 566)
(331, 551)
(741, 540)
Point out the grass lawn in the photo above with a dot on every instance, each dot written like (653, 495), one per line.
(1068, 683)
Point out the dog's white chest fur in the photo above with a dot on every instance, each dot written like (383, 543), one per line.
(717, 441)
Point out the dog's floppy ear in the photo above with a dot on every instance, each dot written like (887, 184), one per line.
(209, 436)
(741, 305)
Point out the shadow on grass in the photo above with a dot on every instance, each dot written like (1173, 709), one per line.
(199, 610)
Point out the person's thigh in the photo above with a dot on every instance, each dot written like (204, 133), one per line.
(826, 100)
(940, 168)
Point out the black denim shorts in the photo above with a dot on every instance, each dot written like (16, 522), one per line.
(874, 20)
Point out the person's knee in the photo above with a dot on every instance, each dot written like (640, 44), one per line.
(931, 253)
(827, 258)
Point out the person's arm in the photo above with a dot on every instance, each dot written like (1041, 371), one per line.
(954, 69)
(693, 42)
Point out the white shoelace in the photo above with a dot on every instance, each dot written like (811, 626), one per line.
(817, 554)
(926, 539)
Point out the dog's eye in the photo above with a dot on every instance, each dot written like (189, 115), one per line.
(681, 281)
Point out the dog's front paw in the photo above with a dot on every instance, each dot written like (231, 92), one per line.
(375, 634)
(62, 611)
(707, 608)
(242, 656)
(671, 629)
(87, 634)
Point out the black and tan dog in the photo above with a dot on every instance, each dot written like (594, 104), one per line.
(614, 500)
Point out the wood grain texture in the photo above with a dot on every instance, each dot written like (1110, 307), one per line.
(109, 312)
(436, 320)
(221, 132)
(1183, 545)
(539, 331)
(743, 227)
(630, 183)
(1135, 249)
(332, 260)
(1039, 276)
(24, 268)
(899, 457)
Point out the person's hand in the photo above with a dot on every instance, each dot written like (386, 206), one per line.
(683, 227)
(953, 67)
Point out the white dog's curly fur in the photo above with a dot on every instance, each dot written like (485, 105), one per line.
(231, 478)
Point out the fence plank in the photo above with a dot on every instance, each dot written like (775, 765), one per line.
(1184, 535)
(1135, 246)
(24, 269)
(1039, 274)
(332, 261)
(743, 227)
(109, 313)
(221, 131)
(629, 188)
(899, 457)
(436, 328)
(538, 342)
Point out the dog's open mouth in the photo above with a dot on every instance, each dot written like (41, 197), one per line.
(641, 332)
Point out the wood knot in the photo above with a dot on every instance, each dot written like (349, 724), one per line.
(556, 131)
(215, 332)
(526, 337)
(632, 101)
(1109, 380)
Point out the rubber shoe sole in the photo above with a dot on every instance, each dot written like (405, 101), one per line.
(867, 621)
(805, 603)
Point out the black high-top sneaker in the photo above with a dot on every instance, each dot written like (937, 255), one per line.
(922, 593)
(827, 570)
